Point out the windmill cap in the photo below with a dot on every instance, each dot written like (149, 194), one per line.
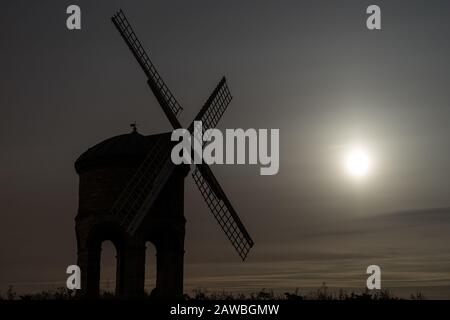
(127, 149)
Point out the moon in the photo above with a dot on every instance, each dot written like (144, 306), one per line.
(357, 162)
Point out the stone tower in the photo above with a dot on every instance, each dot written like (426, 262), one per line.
(104, 170)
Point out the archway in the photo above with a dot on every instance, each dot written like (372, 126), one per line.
(108, 269)
(150, 267)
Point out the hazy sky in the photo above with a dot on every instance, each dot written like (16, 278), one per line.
(309, 68)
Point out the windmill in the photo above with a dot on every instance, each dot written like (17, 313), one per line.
(143, 189)
(130, 193)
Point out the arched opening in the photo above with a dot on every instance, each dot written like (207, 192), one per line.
(150, 267)
(108, 269)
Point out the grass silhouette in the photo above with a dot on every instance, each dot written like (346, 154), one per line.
(322, 294)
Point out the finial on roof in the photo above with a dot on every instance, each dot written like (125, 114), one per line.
(134, 126)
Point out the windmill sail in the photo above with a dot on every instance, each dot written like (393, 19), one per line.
(222, 210)
(161, 91)
(214, 107)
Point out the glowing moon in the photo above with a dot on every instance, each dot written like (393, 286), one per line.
(357, 162)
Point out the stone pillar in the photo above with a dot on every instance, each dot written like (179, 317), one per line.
(170, 260)
(89, 263)
(169, 279)
(131, 271)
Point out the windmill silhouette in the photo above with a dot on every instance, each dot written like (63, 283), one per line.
(136, 175)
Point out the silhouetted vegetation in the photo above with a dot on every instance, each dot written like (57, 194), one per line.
(57, 294)
(322, 293)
